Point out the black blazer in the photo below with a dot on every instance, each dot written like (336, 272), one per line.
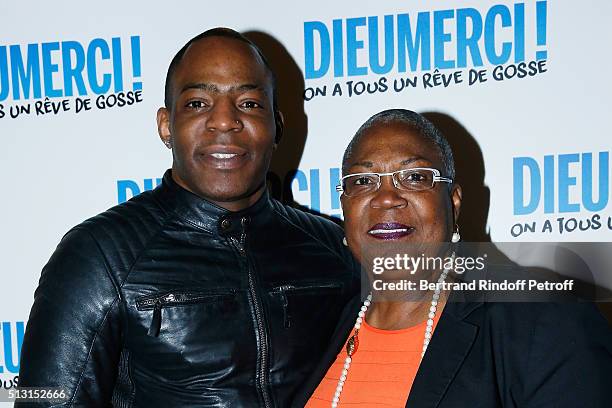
(503, 355)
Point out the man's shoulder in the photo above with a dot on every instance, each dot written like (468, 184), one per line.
(126, 225)
(310, 222)
(317, 227)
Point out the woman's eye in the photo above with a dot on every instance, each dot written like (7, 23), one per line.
(362, 181)
(415, 178)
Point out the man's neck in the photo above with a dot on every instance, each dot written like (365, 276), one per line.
(241, 204)
(230, 205)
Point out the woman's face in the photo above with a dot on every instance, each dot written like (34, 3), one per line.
(420, 216)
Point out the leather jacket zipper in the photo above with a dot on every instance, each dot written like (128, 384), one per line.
(261, 378)
(157, 303)
(306, 287)
(285, 304)
(155, 326)
(283, 290)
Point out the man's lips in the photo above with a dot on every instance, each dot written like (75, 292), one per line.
(223, 157)
(390, 230)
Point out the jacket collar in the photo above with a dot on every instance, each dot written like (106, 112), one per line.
(207, 215)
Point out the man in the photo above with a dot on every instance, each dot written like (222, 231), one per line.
(204, 291)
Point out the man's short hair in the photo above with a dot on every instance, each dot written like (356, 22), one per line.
(216, 32)
(414, 121)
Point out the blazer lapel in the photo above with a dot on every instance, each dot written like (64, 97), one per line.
(341, 333)
(449, 346)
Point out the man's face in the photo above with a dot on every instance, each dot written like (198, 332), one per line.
(221, 124)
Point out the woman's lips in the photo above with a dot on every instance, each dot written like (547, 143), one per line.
(390, 230)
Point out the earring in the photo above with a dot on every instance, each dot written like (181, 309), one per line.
(344, 241)
(456, 236)
(168, 144)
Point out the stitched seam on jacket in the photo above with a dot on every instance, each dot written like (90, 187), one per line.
(93, 341)
(168, 217)
(286, 218)
(125, 372)
(145, 246)
(173, 212)
(118, 293)
(97, 332)
(164, 221)
(194, 224)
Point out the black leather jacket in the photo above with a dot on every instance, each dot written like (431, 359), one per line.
(170, 301)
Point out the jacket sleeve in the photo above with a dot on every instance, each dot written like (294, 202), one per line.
(73, 338)
(570, 359)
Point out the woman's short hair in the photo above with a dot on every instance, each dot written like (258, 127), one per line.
(416, 122)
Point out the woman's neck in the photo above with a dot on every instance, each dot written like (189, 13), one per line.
(397, 315)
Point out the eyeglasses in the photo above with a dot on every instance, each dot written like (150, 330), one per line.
(417, 179)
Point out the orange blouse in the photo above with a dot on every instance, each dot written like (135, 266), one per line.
(382, 370)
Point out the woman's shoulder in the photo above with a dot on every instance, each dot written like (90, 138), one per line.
(556, 315)
(539, 330)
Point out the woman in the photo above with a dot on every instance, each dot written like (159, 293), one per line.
(441, 348)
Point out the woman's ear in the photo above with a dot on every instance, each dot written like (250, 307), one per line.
(456, 197)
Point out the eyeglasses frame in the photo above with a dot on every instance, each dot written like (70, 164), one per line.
(436, 179)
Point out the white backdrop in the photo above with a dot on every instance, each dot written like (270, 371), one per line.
(61, 168)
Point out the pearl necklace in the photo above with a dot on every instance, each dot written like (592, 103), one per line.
(353, 341)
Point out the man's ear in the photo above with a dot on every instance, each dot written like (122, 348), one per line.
(456, 197)
(163, 126)
(279, 121)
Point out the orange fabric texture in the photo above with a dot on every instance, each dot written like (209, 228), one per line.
(382, 370)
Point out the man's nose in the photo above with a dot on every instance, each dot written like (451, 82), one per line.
(387, 196)
(224, 117)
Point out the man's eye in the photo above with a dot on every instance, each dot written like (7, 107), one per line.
(195, 104)
(250, 105)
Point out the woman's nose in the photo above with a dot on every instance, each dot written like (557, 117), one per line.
(387, 195)
(223, 117)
